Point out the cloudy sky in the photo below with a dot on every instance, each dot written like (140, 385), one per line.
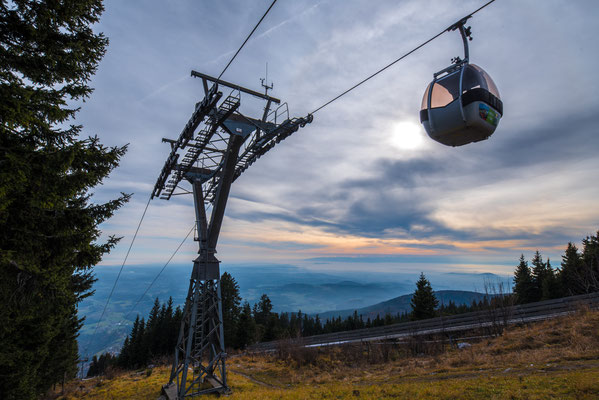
(362, 187)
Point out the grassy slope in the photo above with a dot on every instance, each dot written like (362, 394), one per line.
(552, 359)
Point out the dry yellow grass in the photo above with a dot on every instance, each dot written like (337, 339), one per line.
(552, 359)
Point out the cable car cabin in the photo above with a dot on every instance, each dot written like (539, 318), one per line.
(463, 107)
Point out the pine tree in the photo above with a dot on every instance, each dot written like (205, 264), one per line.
(570, 274)
(139, 348)
(151, 338)
(262, 310)
(318, 325)
(230, 303)
(94, 368)
(424, 302)
(99, 365)
(523, 286)
(164, 330)
(49, 237)
(246, 332)
(590, 259)
(538, 274)
(124, 358)
(175, 325)
(263, 316)
(551, 288)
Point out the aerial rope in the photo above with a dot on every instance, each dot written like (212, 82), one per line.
(159, 273)
(246, 40)
(118, 276)
(148, 203)
(396, 61)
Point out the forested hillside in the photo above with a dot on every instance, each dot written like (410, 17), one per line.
(153, 339)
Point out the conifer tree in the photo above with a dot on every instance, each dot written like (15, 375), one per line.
(246, 331)
(590, 259)
(538, 274)
(523, 286)
(230, 303)
(124, 358)
(49, 237)
(139, 351)
(571, 274)
(99, 365)
(262, 310)
(424, 302)
(151, 337)
(264, 319)
(175, 325)
(164, 328)
(551, 288)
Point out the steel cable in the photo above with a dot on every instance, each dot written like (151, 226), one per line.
(246, 39)
(159, 273)
(396, 61)
(118, 276)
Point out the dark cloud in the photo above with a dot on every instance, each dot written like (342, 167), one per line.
(398, 173)
(561, 139)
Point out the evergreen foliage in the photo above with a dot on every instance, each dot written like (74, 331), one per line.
(550, 287)
(231, 310)
(523, 286)
(579, 274)
(99, 365)
(246, 328)
(539, 274)
(571, 271)
(424, 302)
(48, 223)
(253, 325)
(151, 340)
(590, 260)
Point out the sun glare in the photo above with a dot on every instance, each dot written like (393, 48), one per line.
(407, 135)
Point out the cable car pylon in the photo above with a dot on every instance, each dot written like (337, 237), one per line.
(216, 146)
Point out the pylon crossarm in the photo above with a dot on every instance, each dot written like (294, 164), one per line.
(206, 135)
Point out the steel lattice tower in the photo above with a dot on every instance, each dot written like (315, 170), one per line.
(225, 145)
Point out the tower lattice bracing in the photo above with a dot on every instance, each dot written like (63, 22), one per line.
(217, 145)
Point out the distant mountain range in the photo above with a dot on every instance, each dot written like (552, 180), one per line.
(290, 289)
(401, 304)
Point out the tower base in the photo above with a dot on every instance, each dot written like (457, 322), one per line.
(199, 366)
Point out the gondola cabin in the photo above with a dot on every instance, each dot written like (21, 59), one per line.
(463, 106)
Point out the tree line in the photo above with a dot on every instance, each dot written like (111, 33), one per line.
(579, 274)
(154, 338)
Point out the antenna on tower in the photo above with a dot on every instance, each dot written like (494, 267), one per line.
(265, 85)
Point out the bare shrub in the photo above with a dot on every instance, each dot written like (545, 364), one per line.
(112, 372)
(499, 307)
(295, 351)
